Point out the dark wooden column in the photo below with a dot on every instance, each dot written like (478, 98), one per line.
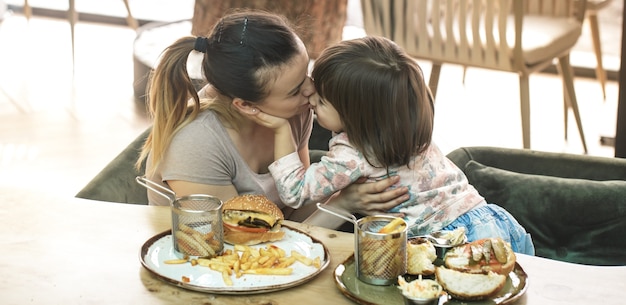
(319, 23)
(620, 130)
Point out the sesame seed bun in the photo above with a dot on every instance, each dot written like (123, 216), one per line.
(256, 203)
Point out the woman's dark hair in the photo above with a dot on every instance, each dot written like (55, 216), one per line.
(244, 52)
(379, 92)
(242, 47)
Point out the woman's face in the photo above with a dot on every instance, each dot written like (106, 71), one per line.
(289, 93)
(326, 115)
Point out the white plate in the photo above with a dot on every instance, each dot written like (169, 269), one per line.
(160, 248)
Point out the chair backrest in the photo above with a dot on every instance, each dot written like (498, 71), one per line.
(482, 33)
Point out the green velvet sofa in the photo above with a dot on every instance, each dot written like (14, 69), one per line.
(573, 206)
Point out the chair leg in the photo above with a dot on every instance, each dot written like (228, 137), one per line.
(566, 104)
(72, 17)
(132, 22)
(13, 101)
(524, 92)
(433, 82)
(28, 12)
(464, 74)
(569, 95)
(595, 37)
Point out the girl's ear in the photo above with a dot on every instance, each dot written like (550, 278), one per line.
(244, 106)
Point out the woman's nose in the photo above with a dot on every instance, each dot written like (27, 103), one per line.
(308, 88)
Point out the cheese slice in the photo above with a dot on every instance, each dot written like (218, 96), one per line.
(235, 216)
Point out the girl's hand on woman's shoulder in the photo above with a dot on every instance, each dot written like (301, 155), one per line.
(372, 197)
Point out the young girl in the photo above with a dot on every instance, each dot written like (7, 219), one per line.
(373, 96)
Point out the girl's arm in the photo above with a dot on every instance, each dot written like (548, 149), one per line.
(284, 143)
(298, 185)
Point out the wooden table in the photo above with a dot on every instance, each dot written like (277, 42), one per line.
(74, 251)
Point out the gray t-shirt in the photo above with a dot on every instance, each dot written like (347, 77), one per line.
(202, 152)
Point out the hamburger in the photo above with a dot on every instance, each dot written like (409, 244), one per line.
(469, 286)
(421, 255)
(251, 220)
(476, 270)
(482, 256)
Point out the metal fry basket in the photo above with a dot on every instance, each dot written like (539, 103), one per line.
(197, 227)
(380, 257)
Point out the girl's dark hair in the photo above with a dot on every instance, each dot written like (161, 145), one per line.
(244, 52)
(379, 92)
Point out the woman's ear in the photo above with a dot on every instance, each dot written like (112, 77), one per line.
(244, 106)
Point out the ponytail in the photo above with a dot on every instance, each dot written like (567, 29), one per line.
(172, 99)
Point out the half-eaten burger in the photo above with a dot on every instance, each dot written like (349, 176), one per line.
(251, 220)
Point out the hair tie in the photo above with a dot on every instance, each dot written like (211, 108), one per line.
(201, 44)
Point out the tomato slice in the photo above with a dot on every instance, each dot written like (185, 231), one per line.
(245, 229)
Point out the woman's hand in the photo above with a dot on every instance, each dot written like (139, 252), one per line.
(372, 197)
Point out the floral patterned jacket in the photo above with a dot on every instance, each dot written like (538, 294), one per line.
(439, 191)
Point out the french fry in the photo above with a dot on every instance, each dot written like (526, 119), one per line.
(245, 256)
(270, 271)
(240, 248)
(197, 248)
(301, 258)
(206, 241)
(176, 261)
(203, 243)
(391, 227)
(226, 277)
(317, 262)
(241, 260)
(287, 261)
(236, 267)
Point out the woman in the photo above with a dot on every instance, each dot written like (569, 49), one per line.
(209, 142)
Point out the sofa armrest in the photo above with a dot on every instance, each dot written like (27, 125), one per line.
(116, 182)
(542, 163)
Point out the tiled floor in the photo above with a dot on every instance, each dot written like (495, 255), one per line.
(58, 129)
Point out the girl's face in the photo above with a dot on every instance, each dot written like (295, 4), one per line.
(289, 93)
(327, 115)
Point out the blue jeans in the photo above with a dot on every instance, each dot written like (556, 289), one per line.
(491, 220)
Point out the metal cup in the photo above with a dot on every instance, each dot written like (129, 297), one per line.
(197, 225)
(380, 257)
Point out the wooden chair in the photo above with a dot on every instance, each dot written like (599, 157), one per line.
(72, 17)
(593, 6)
(505, 35)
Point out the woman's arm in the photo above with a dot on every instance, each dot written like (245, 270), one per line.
(364, 199)
(184, 188)
(372, 197)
